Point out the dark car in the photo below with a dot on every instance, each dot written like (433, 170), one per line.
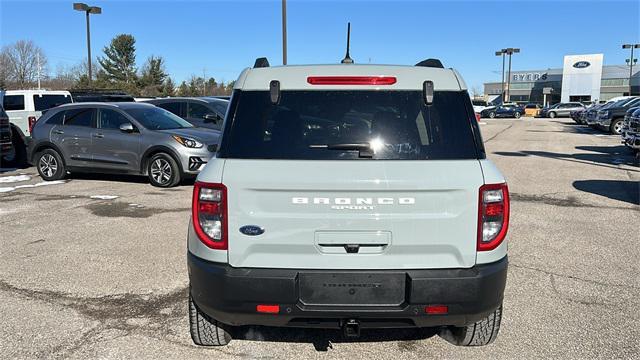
(206, 112)
(611, 119)
(6, 147)
(499, 111)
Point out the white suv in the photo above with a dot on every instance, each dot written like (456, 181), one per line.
(353, 197)
(24, 108)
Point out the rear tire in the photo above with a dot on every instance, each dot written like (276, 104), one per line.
(517, 115)
(163, 171)
(616, 126)
(50, 165)
(481, 333)
(492, 115)
(17, 157)
(204, 330)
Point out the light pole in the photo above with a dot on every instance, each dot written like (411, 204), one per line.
(630, 46)
(284, 32)
(510, 51)
(501, 53)
(88, 10)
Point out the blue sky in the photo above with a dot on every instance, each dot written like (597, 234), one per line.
(222, 38)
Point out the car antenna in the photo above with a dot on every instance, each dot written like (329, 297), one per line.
(347, 59)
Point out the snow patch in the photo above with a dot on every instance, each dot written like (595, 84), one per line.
(6, 189)
(14, 178)
(103, 197)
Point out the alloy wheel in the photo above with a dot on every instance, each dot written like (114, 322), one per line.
(617, 128)
(161, 171)
(48, 165)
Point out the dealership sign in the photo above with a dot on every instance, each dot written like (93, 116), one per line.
(581, 64)
(532, 76)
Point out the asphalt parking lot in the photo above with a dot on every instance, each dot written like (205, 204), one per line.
(95, 266)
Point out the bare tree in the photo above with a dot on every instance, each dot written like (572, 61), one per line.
(23, 62)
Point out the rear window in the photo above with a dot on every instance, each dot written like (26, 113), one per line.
(323, 125)
(13, 102)
(45, 102)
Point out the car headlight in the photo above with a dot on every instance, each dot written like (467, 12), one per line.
(185, 141)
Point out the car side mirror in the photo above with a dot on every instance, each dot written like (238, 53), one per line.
(214, 118)
(127, 127)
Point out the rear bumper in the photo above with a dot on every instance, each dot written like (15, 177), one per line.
(230, 295)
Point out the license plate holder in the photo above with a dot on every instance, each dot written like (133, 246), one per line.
(352, 289)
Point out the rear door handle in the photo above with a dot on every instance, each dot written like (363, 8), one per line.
(59, 132)
(98, 136)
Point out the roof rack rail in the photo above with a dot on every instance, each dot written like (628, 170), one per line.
(434, 63)
(261, 62)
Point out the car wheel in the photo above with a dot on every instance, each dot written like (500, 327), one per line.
(205, 330)
(480, 333)
(492, 114)
(552, 115)
(616, 126)
(163, 171)
(517, 115)
(50, 165)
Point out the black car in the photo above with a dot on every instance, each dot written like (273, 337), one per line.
(611, 119)
(206, 112)
(514, 111)
(6, 147)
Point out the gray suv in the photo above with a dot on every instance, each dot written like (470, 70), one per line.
(133, 138)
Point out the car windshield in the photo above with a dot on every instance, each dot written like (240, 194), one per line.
(347, 125)
(155, 118)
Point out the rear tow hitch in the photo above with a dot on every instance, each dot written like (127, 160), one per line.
(351, 328)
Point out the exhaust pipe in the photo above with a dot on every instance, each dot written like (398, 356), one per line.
(351, 328)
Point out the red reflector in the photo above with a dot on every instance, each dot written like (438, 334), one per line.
(32, 122)
(209, 207)
(351, 80)
(494, 209)
(436, 309)
(268, 309)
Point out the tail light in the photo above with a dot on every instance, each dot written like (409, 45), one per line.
(32, 122)
(478, 117)
(493, 215)
(209, 214)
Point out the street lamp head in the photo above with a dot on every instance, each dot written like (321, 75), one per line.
(516, 50)
(499, 53)
(86, 8)
(80, 6)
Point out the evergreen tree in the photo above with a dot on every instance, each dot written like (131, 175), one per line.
(168, 88)
(153, 72)
(183, 89)
(119, 63)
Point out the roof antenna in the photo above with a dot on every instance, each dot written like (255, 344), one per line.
(347, 59)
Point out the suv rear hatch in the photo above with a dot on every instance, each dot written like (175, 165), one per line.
(347, 179)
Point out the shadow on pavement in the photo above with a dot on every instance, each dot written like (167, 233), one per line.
(627, 191)
(138, 179)
(323, 338)
(606, 156)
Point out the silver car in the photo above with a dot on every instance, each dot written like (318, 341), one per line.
(133, 138)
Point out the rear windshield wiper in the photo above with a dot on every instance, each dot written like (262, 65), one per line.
(364, 149)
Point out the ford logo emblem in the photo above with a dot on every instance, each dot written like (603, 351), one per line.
(252, 230)
(581, 64)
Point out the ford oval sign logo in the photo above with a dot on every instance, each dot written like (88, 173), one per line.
(581, 64)
(252, 230)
